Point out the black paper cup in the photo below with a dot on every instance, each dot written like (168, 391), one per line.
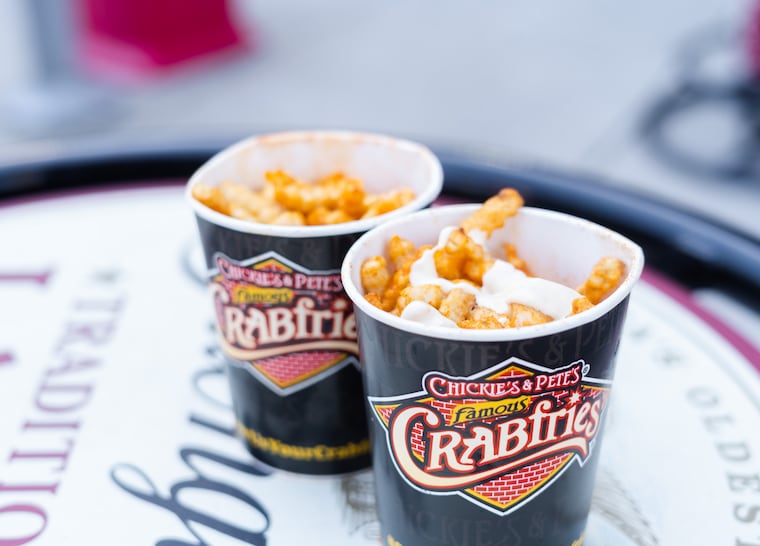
(491, 436)
(286, 325)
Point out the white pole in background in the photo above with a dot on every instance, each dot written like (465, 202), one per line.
(58, 99)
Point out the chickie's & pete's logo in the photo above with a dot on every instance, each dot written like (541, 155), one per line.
(498, 437)
(288, 325)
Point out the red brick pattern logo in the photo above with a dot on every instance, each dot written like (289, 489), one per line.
(287, 325)
(292, 368)
(496, 438)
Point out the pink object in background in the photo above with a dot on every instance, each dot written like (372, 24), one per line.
(753, 40)
(136, 39)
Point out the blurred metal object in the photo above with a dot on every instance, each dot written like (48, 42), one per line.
(58, 100)
(709, 123)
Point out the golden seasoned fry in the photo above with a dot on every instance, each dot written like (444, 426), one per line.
(323, 216)
(400, 251)
(457, 305)
(484, 318)
(432, 294)
(246, 204)
(375, 300)
(341, 191)
(376, 205)
(334, 199)
(494, 212)
(291, 193)
(604, 278)
(241, 213)
(399, 281)
(211, 197)
(374, 274)
(512, 257)
(474, 269)
(241, 196)
(581, 304)
(289, 218)
(525, 315)
(267, 192)
(267, 215)
(461, 257)
(449, 266)
(450, 259)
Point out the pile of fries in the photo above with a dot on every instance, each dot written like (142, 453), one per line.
(286, 200)
(386, 281)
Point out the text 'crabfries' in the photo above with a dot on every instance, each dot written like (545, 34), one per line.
(458, 283)
(286, 200)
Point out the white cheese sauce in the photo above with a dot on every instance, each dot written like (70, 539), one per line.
(503, 284)
(424, 313)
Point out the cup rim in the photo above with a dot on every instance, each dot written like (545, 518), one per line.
(354, 292)
(421, 199)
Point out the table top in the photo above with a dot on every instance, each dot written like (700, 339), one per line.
(114, 402)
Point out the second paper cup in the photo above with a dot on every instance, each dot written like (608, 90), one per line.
(285, 324)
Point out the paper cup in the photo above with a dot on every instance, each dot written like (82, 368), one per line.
(286, 326)
(491, 436)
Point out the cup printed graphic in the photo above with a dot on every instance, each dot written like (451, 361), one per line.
(497, 438)
(287, 325)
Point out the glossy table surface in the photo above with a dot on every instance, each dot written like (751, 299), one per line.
(114, 403)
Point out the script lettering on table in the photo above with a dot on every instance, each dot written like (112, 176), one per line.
(254, 520)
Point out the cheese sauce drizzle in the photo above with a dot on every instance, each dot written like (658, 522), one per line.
(503, 284)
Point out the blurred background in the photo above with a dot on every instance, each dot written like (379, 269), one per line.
(662, 98)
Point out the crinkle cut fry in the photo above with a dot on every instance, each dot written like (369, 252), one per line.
(210, 196)
(344, 193)
(293, 194)
(246, 204)
(286, 200)
(483, 318)
(457, 305)
(581, 304)
(375, 205)
(494, 212)
(525, 315)
(322, 216)
(400, 251)
(375, 299)
(374, 274)
(400, 280)
(432, 294)
(604, 278)
(462, 258)
(289, 218)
